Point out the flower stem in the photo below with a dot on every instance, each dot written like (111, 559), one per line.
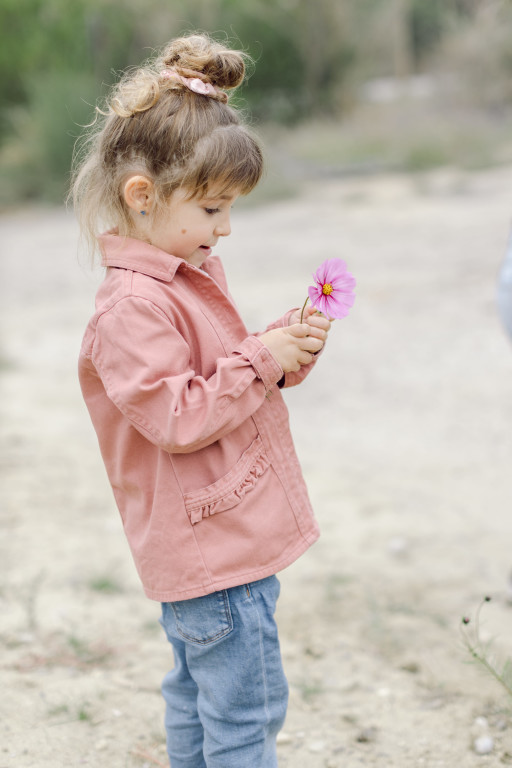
(480, 654)
(303, 308)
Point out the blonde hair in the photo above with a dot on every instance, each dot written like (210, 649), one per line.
(156, 126)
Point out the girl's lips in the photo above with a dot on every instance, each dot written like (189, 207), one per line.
(206, 249)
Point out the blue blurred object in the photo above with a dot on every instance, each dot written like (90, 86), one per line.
(504, 295)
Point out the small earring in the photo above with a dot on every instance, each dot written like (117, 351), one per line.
(143, 213)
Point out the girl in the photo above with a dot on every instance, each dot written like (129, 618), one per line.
(187, 404)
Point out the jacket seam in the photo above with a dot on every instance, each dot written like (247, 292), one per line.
(198, 548)
(138, 419)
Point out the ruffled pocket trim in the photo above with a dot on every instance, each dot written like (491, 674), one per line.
(230, 489)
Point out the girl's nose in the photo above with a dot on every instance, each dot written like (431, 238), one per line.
(223, 227)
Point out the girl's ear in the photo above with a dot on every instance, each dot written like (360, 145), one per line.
(138, 192)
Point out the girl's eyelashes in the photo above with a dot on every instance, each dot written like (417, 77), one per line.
(211, 211)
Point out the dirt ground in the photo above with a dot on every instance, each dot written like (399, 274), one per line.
(404, 432)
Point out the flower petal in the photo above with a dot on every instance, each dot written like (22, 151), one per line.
(336, 305)
(338, 302)
(321, 304)
(337, 310)
(314, 293)
(329, 269)
(343, 281)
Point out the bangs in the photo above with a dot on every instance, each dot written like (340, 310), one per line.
(229, 158)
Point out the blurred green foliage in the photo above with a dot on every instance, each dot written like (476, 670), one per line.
(58, 58)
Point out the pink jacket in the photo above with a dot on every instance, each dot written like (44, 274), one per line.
(192, 426)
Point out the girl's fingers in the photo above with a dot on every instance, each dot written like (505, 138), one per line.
(309, 342)
(312, 344)
(305, 331)
(319, 321)
(318, 333)
(299, 330)
(305, 358)
(319, 326)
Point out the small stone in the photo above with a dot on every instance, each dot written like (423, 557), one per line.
(101, 745)
(284, 738)
(398, 546)
(367, 735)
(479, 730)
(315, 651)
(316, 746)
(501, 724)
(411, 666)
(483, 745)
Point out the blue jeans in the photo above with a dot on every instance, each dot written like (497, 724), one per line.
(227, 695)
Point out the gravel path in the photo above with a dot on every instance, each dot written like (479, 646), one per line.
(404, 432)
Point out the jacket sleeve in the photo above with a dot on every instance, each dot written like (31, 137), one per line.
(144, 364)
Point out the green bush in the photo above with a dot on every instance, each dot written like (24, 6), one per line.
(37, 153)
(57, 57)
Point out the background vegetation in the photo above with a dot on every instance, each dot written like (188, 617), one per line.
(338, 86)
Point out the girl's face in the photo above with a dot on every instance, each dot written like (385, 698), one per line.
(190, 229)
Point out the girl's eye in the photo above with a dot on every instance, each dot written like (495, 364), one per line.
(211, 211)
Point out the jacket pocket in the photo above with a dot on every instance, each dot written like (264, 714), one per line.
(230, 489)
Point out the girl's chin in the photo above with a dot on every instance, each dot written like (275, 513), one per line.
(200, 255)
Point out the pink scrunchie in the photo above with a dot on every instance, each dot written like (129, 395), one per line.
(192, 83)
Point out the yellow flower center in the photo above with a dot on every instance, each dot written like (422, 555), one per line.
(327, 289)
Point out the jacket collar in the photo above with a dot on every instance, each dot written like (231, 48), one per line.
(136, 255)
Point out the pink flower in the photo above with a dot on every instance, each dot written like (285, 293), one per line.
(333, 292)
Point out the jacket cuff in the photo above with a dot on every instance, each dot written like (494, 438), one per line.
(262, 360)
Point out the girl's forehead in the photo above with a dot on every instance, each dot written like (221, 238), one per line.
(218, 194)
(213, 194)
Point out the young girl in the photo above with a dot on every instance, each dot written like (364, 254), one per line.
(187, 404)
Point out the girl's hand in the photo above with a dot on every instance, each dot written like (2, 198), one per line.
(293, 346)
(318, 323)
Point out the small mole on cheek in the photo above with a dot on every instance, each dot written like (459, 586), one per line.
(183, 231)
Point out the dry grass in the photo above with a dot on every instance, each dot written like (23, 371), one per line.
(404, 137)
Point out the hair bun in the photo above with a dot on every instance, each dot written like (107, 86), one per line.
(221, 66)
